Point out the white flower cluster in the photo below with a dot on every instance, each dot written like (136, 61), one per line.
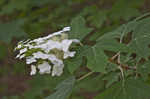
(46, 54)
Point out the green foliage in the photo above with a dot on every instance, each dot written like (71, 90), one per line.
(94, 16)
(78, 28)
(144, 70)
(122, 9)
(63, 89)
(90, 84)
(111, 78)
(96, 62)
(15, 5)
(140, 38)
(40, 83)
(98, 19)
(74, 63)
(3, 52)
(23, 5)
(132, 89)
(12, 29)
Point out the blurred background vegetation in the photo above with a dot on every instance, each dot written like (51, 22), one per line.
(22, 19)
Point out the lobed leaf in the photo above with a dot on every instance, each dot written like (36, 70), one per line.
(96, 59)
(78, 28)
(63, 89)
(132, 89)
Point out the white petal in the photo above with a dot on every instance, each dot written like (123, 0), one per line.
(54, 59)
(49, 45)
(69, 54)
(19, 46)
(29, 45)
(44, 68)
(33, 70)
(30, 60)
(57, 69)
(26, 41)
(66, 44)
(18, 56)
(40, 55)
(23, 50)
(75, 40)
(66, 29)
(22, 56)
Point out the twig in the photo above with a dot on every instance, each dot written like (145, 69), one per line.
(124, 66)
(112, 58)
(84, 76)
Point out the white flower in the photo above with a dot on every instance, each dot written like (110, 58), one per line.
(29, 46)
(41, 55)
(26, 41)
(44, 68)
(23, 50)
(30, 60)
(66, 44)
(54, 59)
(66, 29)
(57, 69)
(18, 56)
(41, 40)
(19, 46)
(22, 56)
(33, 70)
(51, 46)
(69, 54)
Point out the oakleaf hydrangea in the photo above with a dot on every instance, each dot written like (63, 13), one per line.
(46, 54)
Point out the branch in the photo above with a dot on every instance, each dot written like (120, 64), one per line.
(124, 66)
(84, 76)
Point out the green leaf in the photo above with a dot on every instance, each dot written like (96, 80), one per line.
(113, 45)
(111, 78)
(40, 83)
(125, 9)
(74, 63)
(90, 84)
(108, 40)
(63, 89)
(95, 16)
(96, 59)
(10, 30)
(141, 38)
(144, 70)
(97, 19)
(78, 28)
(15, 5)
(132, 89)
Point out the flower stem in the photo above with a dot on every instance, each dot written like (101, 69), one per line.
(84, 76)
